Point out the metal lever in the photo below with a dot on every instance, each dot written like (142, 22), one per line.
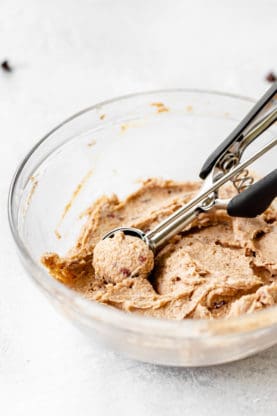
(177, 221)
(255, 123)
(184, 215)
(250, 126)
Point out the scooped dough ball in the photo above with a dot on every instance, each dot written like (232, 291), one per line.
(122, 256)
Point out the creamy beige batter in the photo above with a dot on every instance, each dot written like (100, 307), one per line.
(219, 267)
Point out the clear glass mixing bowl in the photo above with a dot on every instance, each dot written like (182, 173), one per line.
(107, 148)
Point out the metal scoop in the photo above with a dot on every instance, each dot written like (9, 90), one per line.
(224, 165)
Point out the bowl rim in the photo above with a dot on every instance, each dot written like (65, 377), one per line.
(93, 311)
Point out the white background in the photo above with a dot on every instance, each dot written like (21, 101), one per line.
(68, 55)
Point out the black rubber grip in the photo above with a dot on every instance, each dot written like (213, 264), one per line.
(235, 135)
(255, 199)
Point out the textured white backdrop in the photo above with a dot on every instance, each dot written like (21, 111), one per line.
(70, 54)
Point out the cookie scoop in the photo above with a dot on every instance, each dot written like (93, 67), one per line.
(129, 252)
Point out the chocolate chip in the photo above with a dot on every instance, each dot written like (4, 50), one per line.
(126, 272)
(259, 234)
(176, 279)
(271, 77)
(142, 259)
(270, 220)
(218, 305)
(5, 65)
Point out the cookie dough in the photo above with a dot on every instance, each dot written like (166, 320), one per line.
(122, 256)
(219, 267)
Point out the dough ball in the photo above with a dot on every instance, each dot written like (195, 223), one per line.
(122, 256)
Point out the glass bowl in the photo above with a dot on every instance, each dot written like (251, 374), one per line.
(106, 149)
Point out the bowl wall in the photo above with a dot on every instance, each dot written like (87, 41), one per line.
(108, 149)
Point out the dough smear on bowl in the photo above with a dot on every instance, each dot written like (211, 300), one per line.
(218, 267)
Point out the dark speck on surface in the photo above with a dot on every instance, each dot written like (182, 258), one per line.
(5, 65)
(271, 77)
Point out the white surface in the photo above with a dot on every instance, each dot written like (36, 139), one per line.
(68, 55)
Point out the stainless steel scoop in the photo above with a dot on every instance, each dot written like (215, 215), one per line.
(224, 165)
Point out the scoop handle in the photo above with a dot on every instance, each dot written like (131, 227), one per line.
(255, 199)
(237, 134)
